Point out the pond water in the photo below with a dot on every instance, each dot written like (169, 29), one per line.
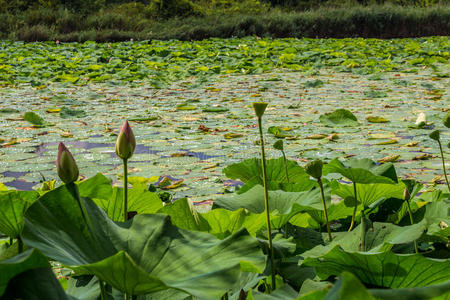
(191, 132)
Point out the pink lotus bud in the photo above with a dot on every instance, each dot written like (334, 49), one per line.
(126, 143)
(66, 166)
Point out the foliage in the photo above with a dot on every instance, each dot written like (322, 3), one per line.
(191, 21)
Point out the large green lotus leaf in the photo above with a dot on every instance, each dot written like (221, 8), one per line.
(219, 222)
(435, 292)
(144, 255)
(13, 205)
(55, 225)
(340, 117)
(348, 287)
(362, 171)
(83, 287)
(300, 186)
(30, 259)
(36, 284)
(381, 238)
(384, 269)
(249, 171)
(140, 200)
(286, 292)
(110, 199)
(279, 201)
(370, 193)
(96, 187)
(183, 215)
(223, 222)
(335, 211)
(437, 214)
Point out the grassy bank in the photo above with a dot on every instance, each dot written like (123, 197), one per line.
(386, 21)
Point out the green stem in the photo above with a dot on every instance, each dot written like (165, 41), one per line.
(285, 166)
(325, 208)
(73, 187)
(355, 209)
(266, 201)
(125, 190)
(20, 242)
(103, 295)
(443, 164)
(128, 296)
(412, 223)
(363, 231)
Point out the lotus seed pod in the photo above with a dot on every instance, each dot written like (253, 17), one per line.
(314, 168)
(279, 145)
(435, 135)
(447, 120)
(66, 166)
(126, 143)
(259, 108)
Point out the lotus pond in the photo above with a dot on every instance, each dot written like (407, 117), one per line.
(364, 107)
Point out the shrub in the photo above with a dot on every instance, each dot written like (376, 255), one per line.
(35, 33)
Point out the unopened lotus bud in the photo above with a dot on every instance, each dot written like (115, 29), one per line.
(314, 168)
(279, 145)
(447, 120)
(66, 166)
(435, 135)
(126, 143)
(259, 108)
(406, 194)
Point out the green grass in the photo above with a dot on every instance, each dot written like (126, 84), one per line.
(115, 25)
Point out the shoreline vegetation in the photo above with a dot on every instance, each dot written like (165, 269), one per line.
(191, 20)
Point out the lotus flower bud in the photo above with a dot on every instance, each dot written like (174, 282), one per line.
(314, 168)
(279, 145)
(66, 165)
(126, 143)
(435, 135)
(259, 108)
(406, 194)
(447, 120)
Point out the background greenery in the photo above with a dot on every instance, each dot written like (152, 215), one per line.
(118, 20)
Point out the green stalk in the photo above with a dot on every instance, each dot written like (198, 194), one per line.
(20, 242)
(363, 231)
(354, 210)
(125, 190)
(266, 202)
(412, 223)
(325, 208)
(128, 296)
(103, 295)
(443, 164)
(285, 165)
(74, 189)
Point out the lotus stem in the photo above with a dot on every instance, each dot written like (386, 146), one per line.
(103, 295)
(74, 188)
(443, 164)
(285, 165)
(20, 242)
(412, 223)
(363, 231)
(325, 208)
(266, 202)
(125, 190)
(354, 210)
